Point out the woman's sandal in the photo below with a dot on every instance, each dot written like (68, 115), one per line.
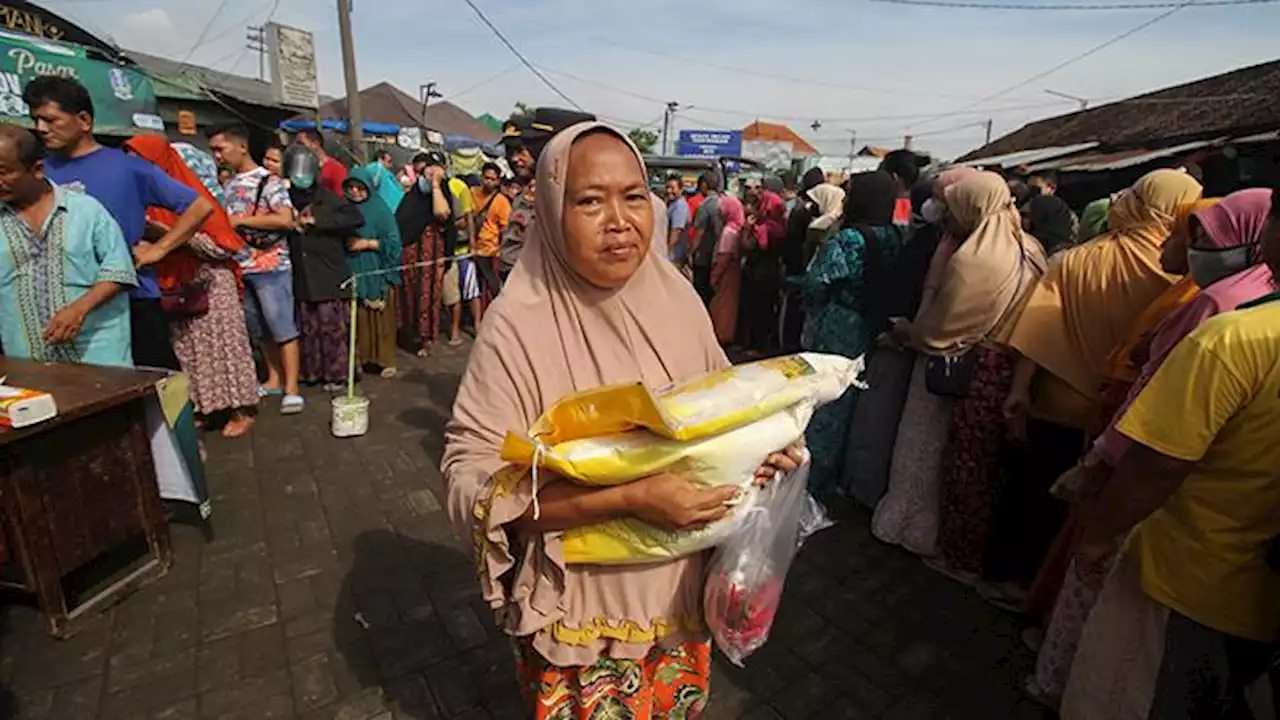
(292, 404)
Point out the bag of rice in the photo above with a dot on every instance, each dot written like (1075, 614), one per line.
(730, 421)
(700, 406)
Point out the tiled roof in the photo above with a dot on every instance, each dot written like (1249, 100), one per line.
(778, 133)
(386, 103)
(1242, 100)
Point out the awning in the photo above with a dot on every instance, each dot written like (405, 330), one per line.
(1027, 157)
(1101, 162)
(124, 101)
(340, 126)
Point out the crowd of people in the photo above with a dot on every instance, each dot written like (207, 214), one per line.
(1071, 414)
(158, 254)
(1065, 412)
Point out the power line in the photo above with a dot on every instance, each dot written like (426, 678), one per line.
(538, 74)
(204, 33)
(1070, 61)
(612, 42)
(964, 5)
(486, 81)
(760, 114)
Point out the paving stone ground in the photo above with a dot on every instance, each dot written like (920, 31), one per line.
(333, 586)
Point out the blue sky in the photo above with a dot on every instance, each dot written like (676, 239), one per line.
(882, 70)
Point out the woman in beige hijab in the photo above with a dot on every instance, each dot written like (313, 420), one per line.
(982, 288)
(593, 301)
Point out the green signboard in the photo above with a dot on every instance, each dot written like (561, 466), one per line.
(124, 101)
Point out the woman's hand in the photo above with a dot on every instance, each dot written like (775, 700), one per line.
(785, 461)
(1016, 407)
(900, 331)
(672, 502)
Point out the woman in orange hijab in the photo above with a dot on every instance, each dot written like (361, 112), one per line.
(201, 282)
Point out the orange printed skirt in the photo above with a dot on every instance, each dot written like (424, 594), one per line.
(669, 684)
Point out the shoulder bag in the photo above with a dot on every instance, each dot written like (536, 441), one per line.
(951, 375)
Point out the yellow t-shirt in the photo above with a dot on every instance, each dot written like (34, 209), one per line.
(1216, 402)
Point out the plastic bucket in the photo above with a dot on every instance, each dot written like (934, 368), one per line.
(350, 416)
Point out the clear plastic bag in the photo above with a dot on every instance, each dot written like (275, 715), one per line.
(744, 582)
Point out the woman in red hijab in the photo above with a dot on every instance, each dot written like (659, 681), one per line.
(201, 286)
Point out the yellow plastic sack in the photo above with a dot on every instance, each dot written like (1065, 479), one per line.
(697, 407)
(716, 430)
(730, 458)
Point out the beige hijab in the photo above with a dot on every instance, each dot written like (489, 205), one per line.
(1084, 306)
(988, 275)
(830, 200)
(549, 334)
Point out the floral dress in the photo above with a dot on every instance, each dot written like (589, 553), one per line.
(834, 291)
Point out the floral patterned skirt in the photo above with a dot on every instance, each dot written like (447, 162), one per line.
(669, 684)
(971, 472)
(324, 341)
(213, 349)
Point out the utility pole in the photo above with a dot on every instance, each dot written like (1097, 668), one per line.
(667, 114)
(1084, 102)
(988, 142)
(355, 117)
(428, 92)
(256, 35)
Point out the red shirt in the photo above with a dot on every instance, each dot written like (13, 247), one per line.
(332, 175)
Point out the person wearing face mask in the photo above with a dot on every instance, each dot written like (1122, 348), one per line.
(319, 252)
(1186, 613)
(1225, 261)
(907, 511)
(429, 236)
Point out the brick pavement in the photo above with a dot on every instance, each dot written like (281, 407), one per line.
(334, 587)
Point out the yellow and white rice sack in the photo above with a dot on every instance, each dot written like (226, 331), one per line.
(699, 406)
(716, 430)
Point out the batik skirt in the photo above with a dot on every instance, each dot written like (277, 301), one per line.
(323, 341)
(970, 482)
(418, 313)
(669, 684)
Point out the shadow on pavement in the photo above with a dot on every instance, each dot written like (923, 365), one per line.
(409, 620)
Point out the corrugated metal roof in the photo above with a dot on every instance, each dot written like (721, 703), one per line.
(1123, 159)
(1027, 157)
(247, 89)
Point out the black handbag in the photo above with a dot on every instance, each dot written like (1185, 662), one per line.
(951, 375)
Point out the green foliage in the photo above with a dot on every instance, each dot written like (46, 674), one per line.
(644, 139)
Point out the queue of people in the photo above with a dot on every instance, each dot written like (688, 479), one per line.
(221, 254)
(1065, 413)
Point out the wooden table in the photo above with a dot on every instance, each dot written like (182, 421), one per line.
(78, 486)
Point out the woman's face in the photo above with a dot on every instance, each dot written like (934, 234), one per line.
(608, 218)
(357, 192)
(271, 161)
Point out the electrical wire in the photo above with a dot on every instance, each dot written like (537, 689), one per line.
(203, 33)
(537, 73)
(612, 42)
(486, 81)
(964, 5)
(806, 118)
(1070, 61)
